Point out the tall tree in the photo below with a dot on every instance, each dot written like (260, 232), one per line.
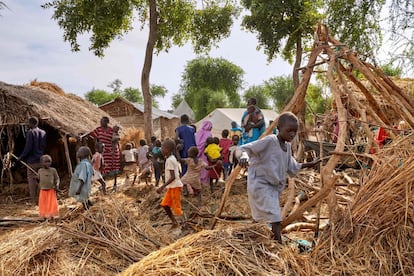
(280, 90)
(208, 83)
(261, 93)
(170, 23)
(280, 22)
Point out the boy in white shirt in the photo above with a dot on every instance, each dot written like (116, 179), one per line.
(172, 198)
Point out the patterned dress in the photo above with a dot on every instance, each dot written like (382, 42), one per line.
(111, 156)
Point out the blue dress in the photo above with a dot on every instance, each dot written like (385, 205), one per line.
(84, 172)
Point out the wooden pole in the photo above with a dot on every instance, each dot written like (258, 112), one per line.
(68, 161)
(294, 105)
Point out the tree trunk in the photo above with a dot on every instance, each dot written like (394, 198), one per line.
(146, 70)
(298, 61)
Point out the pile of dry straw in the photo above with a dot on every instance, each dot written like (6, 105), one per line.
(374, 235)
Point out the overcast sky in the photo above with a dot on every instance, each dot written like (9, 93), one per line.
(32, 47)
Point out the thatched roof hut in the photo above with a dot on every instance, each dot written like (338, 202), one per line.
(61, 115)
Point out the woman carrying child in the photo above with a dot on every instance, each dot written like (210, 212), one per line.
(48, 185)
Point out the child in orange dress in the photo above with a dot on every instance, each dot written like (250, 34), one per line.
(48, 184)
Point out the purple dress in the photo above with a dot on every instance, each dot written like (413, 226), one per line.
(201, 138)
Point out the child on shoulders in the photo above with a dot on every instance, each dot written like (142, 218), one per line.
(48, 185)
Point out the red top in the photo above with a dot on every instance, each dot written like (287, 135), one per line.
(225, 144)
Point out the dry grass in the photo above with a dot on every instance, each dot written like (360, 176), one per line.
(375, 236)
(236, 250)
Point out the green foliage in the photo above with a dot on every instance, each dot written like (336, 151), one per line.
(133, 95)
(105, 20)
(157, 91)
(279, 21)
(281, 90)
(356, 23)
(391, 71)
(402, 30)
(179, 21)
(99, 97)
(316, 101)
(176, 100)
(206, 79)
(261, 93)
(211, 24)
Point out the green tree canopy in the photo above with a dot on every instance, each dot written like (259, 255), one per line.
(280, 90)
(131, 94)
(99, 97)
(208, 83)
(261, 93)
(283, 27)
(356, 23)
(170, 23)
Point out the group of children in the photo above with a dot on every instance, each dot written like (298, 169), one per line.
(269, 161)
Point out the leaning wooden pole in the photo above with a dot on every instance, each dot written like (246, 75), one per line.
(294, 106)
(68, 161)
(328, 178)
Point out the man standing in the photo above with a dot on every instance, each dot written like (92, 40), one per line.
(185, 134)
(33, 150)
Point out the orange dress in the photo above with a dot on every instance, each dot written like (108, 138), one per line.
(48, 205)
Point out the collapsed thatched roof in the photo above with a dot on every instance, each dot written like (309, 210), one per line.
(68, 113)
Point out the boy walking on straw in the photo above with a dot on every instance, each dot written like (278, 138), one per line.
(172, 198)
(48, 185)
(269, 163)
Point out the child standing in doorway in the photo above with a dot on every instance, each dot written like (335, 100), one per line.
(81, 181)
(172, 198)
(48, 185)
(270, 162)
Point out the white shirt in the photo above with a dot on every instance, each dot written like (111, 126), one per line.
(129, 155)
(171, 164)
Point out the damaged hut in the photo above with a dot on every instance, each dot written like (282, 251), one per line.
(131, 115)
(63, 116)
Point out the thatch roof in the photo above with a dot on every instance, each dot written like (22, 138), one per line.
(68, 113)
